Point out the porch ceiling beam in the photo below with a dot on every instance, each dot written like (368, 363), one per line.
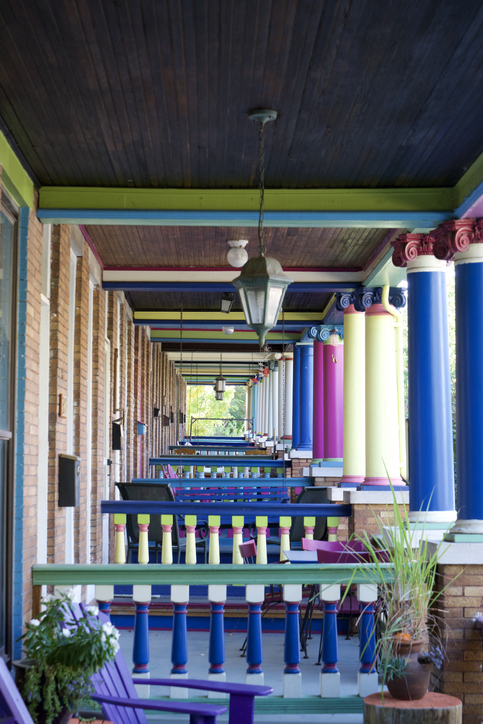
(168, 335)
(316, 208)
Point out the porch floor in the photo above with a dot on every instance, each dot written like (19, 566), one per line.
(235, 667)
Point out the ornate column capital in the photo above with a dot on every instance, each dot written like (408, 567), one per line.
(364, 297)
(322, 332)
(450, 237)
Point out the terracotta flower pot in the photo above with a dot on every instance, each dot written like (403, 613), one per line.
(415, 681)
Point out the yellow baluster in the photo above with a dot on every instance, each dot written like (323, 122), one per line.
(237, 522)
(309, 525)
(214, 551)
(261, 521)
(120, 549)
(285, 523)
(190, 524)
(167, 550)
(332, 525)
(143, 549)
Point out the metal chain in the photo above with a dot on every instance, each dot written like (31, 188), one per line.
(261, 136)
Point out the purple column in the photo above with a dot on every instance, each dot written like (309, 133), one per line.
(318, 424)
(333, 396)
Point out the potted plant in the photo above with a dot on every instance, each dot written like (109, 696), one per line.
(61, 656)
(409, 640)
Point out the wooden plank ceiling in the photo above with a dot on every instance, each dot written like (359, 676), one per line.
(156, 93)
(167, 246)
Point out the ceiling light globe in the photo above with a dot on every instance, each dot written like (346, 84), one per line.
(237, 255)
(228, 330)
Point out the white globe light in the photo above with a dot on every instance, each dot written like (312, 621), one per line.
(228, 330)
(237, 255)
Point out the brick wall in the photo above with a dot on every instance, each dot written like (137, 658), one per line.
(98, 398)
(462, 675)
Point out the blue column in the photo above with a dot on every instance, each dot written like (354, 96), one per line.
(367, 643)
(330, 654)
(431, 464)
(254, 407)
(140, 652)
(306, 402)
(296, 397)
(469, 389)
(292, 638)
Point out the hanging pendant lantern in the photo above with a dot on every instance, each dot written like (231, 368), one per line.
(262, 283)
(220, 382)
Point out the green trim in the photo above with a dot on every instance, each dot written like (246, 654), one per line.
(393, 199)
(469, 181)
(429, 526)
(280, 705)
(230, 574)
(14, 177)
(212, 334)
(464, 538)
(219, 316)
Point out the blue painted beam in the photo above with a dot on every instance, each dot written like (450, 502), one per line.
(216, 326)
(277, 219)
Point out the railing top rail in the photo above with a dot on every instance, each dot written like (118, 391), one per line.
(183, 574)
(138, 507)
(263, 461)
(235, 483)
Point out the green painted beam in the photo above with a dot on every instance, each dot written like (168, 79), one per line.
(14, 177)
(174, 334)
(219, 316)
(468, 182)
(159, 574)
(393, 199)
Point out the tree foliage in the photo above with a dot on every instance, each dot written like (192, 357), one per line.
(201, 403)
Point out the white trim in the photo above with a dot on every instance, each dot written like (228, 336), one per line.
(375, 497)
(226, 275)
(90, 510)
(43, 458)
(468, 554)
(432, 516)
(470, 526)
(69, 512)
(426, 264)
(473, 255)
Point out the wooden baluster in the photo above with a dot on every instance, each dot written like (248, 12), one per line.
(367, 675)
(104, 596)
(261, 521)
(292, 676)
(200, 471)
(190, 525)
(167, 547)
(237, 522)
(216, 654)
(213, 472)
(332, 525)
(179, 646)
(186, 471)
(143, 546)
(226, 472)
(285, 523)
(214, 548)
(309, 525)
(329, 675)
(120, 527)
(255, 593)
(234, 471)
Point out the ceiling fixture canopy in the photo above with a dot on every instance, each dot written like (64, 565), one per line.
(262, 283)
(237, 255)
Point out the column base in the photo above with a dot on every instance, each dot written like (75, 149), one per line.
(375, 481)
(143, 690)
(176, 692)
(471, 527)
(367, 684)
(438, 519)
(292, 686)
(352, 480)
(220, 678)
(254, 679)
(329, 685)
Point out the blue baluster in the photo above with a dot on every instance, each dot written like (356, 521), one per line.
(105, 608)
(367, 677)
(140, 653)
(216, 653)
(255, 594)
(329, 675)
(292, 676)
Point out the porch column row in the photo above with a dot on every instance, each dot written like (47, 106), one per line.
(461, 240)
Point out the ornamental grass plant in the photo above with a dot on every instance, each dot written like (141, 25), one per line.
(61, 655)
(408, 598)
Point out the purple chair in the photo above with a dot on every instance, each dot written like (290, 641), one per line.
(12, 706)
(341, 551)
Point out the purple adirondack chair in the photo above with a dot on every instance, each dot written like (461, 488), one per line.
(12, 706)
(115, 691)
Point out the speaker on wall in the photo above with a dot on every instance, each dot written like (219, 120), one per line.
(116, 436)
(69, 481)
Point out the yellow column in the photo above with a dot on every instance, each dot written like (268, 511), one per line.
(214, 551)
(120, 549)
(382, 428)
(190, 525)
(261, 521)
(237, 522)
(354, 456)
(285, 523)
(167, 550)
(143, 548)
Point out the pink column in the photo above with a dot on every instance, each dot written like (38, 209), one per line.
(333, 398)
(318, 424)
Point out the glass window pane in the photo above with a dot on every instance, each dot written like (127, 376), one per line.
(256, 301)
(274, 299)
(6, 254)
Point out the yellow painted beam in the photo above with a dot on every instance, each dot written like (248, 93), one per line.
(219, 316)
(15, 179)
